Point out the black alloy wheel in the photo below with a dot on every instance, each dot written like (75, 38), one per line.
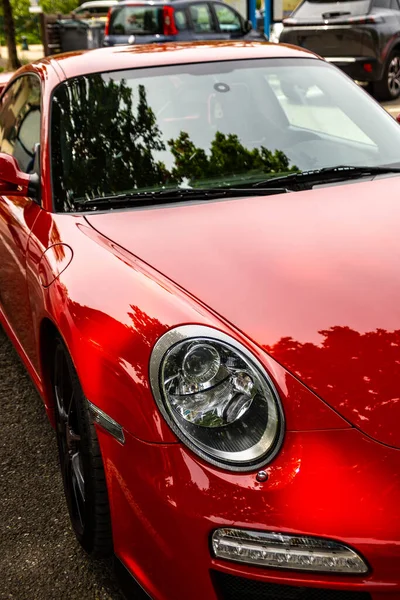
(388, 88)
(80, 459)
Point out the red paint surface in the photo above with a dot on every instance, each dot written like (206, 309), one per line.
(307, 281)
(338, 484)
(312, 277)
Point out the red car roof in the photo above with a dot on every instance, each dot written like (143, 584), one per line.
(128, 57)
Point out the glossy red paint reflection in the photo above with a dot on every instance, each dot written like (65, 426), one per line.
(320, 299)
(12, 180)
(53, 262)
(304, 494)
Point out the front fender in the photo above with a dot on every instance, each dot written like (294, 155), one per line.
(111, 308)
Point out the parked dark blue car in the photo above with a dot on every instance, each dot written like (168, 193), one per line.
(181, 20)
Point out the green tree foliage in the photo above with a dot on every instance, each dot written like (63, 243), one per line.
(59, 6)
(103, 154)
(106, 140)
(348, 368)
(9, 32)
(27, 24)
(227, 157)
(24, 22)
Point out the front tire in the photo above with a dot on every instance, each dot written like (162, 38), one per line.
(80, 459)
(388, 88)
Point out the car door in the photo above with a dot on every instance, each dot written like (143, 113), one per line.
(20, 137)
(203, 23)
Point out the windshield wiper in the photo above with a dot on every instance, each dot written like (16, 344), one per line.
(306, 179)
(172, 195)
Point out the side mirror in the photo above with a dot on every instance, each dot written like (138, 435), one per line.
(248, 26)
(13, 181)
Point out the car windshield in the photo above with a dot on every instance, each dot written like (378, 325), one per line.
(212, 124)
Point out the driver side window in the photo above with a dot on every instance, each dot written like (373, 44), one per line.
(228, 20)
(20, 121)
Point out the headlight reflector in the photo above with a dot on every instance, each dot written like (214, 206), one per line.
(216, 396)
(201, 363)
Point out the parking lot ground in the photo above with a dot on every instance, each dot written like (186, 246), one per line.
(34, 52)
(392, 107)
(40, 558)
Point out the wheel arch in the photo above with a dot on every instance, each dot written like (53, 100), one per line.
(379, 86)
(394, 46)
(48, 333)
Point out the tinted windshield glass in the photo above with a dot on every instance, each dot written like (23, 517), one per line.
(219, 123)
(136, 20)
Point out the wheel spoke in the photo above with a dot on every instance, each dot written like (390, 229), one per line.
(77, 474)
(78, 489)
(394, 76)
(58, 387)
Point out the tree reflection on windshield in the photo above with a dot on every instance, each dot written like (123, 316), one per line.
(227, 156)
(104, 144)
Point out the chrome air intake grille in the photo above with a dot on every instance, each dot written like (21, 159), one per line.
(230, 587)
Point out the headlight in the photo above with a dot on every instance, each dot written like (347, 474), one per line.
(217, 397)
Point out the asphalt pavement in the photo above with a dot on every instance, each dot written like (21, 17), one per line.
(393, 107)
(39, 556)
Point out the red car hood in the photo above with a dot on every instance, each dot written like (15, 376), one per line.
(313, 277)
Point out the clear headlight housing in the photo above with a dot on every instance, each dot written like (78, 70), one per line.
(217, 397)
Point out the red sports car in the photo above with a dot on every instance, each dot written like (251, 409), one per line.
(199, 267)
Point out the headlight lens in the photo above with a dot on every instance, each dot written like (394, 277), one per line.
(216, 396)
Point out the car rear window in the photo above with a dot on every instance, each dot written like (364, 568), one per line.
(136, 20)
(317, 8)
(92, 10)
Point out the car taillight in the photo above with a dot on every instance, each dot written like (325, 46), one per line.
(107, 27)
(169, 27)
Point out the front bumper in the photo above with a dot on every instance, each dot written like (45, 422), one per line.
(336, 484)
(358, 68)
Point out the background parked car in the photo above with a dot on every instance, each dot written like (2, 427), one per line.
(275, 30)
(361, 37)
(149, 22)
(97, 9)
